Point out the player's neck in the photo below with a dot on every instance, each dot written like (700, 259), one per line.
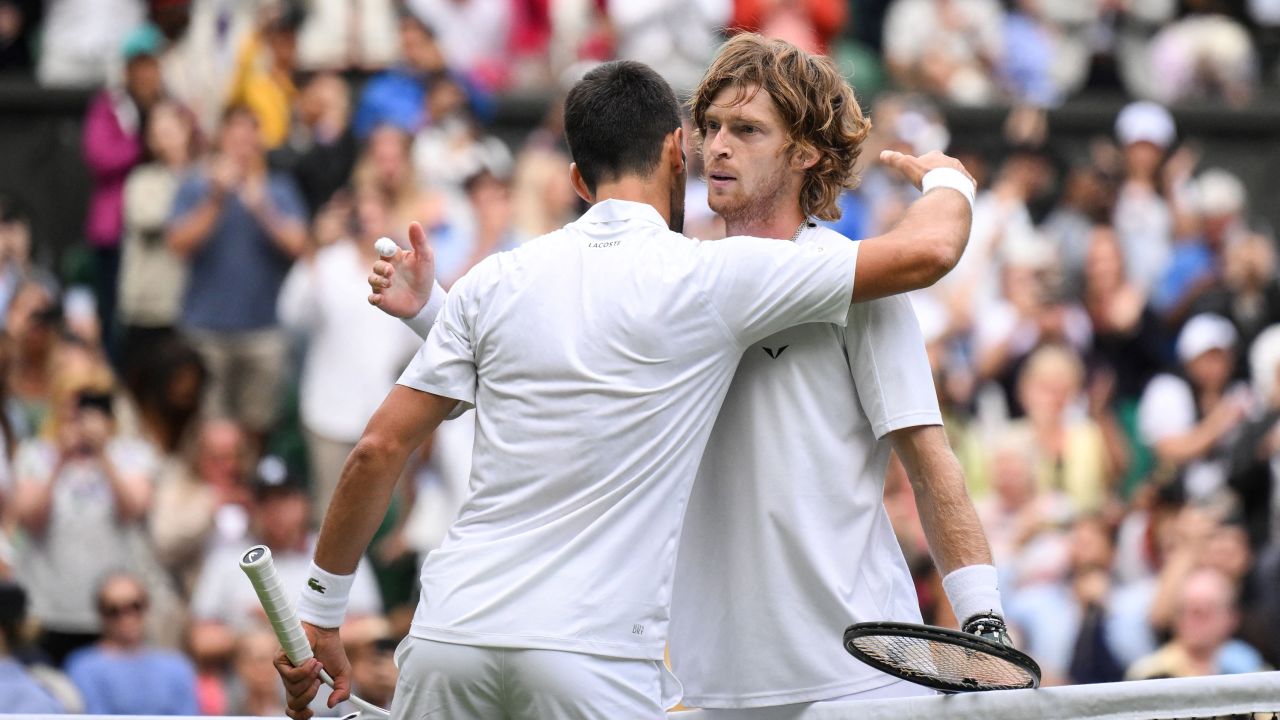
(634, 189)
(780, 224)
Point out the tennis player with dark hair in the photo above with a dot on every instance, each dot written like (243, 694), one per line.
(597, 357)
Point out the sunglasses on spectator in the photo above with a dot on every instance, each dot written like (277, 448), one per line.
(115, 610)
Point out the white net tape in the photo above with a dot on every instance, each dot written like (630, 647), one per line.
(1209, 697)
(1254, 695)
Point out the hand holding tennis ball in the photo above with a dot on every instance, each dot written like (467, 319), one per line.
(401, 281)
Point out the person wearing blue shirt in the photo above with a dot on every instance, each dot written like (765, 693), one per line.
(397, 97)
(21, 692)
(240, 227)
(120, 674)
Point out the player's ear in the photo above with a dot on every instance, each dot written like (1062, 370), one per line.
(580, 185)
(804, 157)
(676, 151)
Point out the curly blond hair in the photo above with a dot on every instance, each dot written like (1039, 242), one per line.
(817, 107)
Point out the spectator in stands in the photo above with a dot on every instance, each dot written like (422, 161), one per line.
(79, 40)
(1218, 199)
(15, 253)
(264, 77)
(152, 277)
(253, 690)
(453, 148)
(18, 22)
(677, 38)
(810, 25)
(371, 648)
(86, 487)
(200, 64)
(948, 48)
(398, 96)
(1128, 338)
(386, 166)
(1142, 218)
(33, 322)
(1041, 63)
(474, 36)
(204, 502)
(1087, 194)
(1252, 475)
(240, 226)
(1069, 622)
(1073, 455)
(1205, 618)
(342, 35)
(1248, 291)
(353, 351)
(1190, 421)
(320, 150)
(1017, 510)
(1002, 227)
(113, 145)
(22, 691)
(1204, 57)
(122, 674)
(224, 605)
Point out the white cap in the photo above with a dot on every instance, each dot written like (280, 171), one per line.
(1218, 193)
(1203, 333)
(1145, 121)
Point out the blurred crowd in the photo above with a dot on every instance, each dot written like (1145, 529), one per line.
(1107, 353)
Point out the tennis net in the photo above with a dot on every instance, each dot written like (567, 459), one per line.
(1254, 696)
(1251, 696)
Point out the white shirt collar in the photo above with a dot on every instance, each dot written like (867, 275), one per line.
(609, 211)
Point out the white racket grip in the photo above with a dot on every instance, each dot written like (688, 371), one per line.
(258, 565)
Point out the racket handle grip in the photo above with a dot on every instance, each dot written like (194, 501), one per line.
(261, 570)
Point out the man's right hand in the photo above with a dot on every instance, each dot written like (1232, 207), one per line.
(303, 682)
(914, 168)
(401, 284)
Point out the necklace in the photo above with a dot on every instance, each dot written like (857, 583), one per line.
(803, 224)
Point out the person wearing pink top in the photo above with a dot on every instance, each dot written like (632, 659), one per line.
(113, 146)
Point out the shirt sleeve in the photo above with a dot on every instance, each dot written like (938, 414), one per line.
(760, 287)
(445, 365)
(890, 365)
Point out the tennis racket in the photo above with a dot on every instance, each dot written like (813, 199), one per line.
(943, 659)
(258, 565)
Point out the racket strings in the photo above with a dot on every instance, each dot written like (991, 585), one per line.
(952, 664)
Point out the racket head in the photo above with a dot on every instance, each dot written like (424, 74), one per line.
(943, 659)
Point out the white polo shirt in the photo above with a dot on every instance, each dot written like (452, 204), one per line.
(786, 541)
(597, 358)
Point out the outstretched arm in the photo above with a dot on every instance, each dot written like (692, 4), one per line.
(926, 244)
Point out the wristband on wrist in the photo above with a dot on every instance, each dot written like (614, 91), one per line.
(426, 317)
(973, 590)
(323, 600)
(950, 178)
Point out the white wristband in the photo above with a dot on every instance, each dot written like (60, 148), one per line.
(426, 317)
(950, 178)
(323, 600)
(973, 590)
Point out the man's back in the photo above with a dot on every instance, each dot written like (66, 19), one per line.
(597, 357)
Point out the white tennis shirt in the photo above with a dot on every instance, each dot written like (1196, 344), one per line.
(597, 358)
(786, 541)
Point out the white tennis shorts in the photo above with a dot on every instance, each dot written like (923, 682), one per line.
(444, 681)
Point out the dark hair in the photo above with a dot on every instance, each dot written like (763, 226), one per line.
(615, 120)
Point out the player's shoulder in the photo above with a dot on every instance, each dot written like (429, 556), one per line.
(824, 234)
